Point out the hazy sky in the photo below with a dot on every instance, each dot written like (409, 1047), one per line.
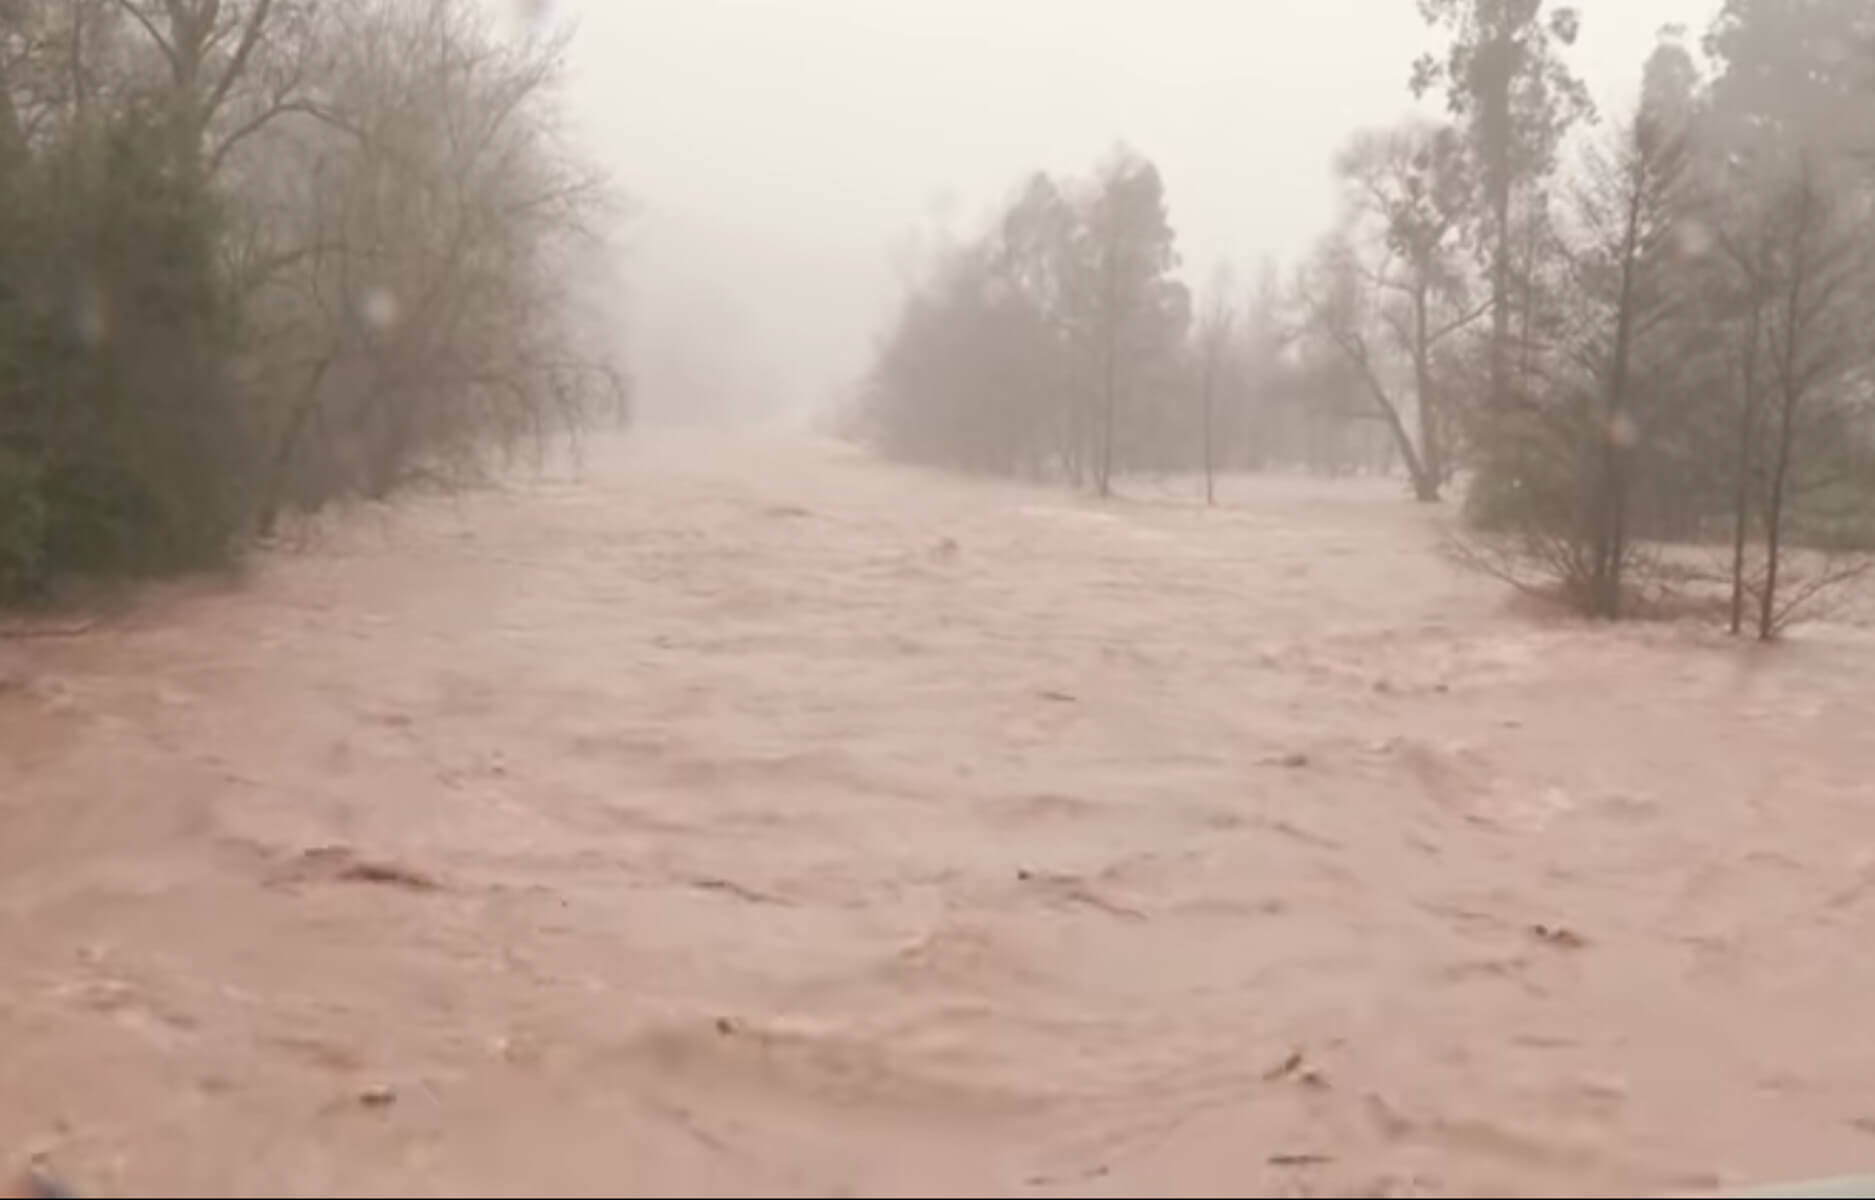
(783, 152)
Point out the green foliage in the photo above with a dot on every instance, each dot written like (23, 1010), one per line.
(125, 445)
(218, 299)
(23, 520)
(1698, 369)
(1503, 75)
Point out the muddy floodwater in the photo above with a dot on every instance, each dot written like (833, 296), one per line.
(713, 818)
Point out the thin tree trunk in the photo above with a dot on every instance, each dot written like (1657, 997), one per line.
(1774, 520)
(1104, 470)
(1210, 392)
(1526, 338)
(1500, 255)
(1109, 365)
(1500, 307)
(1431, 451)
(1788, 360)
(1500, 68)
(1741, 500)
(1611, 538)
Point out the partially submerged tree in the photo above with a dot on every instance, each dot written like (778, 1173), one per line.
(1559, 501)
(123, 445)
(1695, 360)
(1787, 121)
(421, 299)
(1805, 466)
(268, 252)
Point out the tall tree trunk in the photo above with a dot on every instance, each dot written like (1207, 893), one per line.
(1615, 432)
(1789, 361)
(1741, 496)
(1431, 448)
(1499, 68)
(1109, 370)
(1526, 307)
(1774, 519)
(1500, 303)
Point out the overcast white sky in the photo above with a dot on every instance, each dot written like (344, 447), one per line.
(783, 150)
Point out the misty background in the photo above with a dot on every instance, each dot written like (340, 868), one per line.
(792, 163)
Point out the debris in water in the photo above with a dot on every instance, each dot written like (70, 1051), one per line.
(378, 1095)
(730, 887)
(393, 874)
(1560, 936)
(1300, 1160)
(1297, 1068)
(1100, 1171)
(339, 863)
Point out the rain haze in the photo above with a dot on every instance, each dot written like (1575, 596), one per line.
(1035, 598)
(792, 159)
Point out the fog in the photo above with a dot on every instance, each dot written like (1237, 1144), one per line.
(791, 160)
(1310, 648)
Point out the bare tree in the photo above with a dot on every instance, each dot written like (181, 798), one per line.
(1814, 350)
(232, 68)
(421, 292)
(1786, 124)
(258, 253)
(1408, 191)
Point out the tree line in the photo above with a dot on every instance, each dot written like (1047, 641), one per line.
(260, 255)
(1062, 343)
(1618, 335)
